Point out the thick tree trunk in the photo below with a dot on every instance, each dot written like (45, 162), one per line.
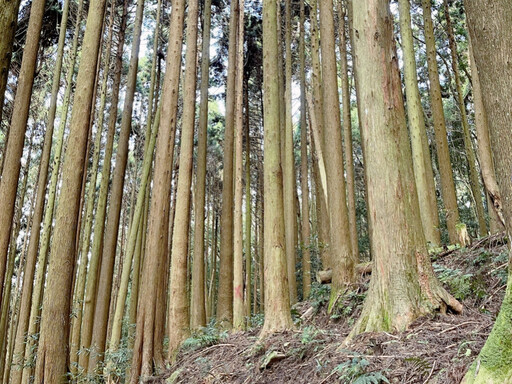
(403, 286)
(198, 310)
(18, 127)
(52, 355)
(277, 300)
(156, 248)
(343, 260)
(443, 152)
(418, 133)
(489, 27)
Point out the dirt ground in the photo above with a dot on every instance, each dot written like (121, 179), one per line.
(436, 349)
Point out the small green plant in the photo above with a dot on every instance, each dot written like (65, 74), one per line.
(461, 285)
(320, 295)
(355, 371)
(204, 337)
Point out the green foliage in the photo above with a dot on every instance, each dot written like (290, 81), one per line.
(204, 337)
(419, 365)
(347, 304)
(461, 285)
(320, 295)
(355, 371)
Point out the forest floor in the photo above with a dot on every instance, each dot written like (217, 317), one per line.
(435, 349)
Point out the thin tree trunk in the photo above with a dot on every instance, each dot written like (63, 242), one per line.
(306, 230)
(238, 251)
(178, 320)
(443, 152)
(289, 187)
(347, 132)
(248, 204)
(198, 311)
(474, 178)
(18, 127)
(52, 356)
(225, 291)
(418, 133)
(104, 290)
(156, 247)
(496, 219)
(340, 245)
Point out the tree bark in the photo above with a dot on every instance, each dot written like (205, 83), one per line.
(489, 28)
(198, 309)
(52, 355)
(277, 300)
(403, 285)
(443, 152)
(178, 320)
(342, 257)
(418, 132)
(18, 127)
(156, 247)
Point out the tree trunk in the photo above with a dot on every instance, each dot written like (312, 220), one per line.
(474, 177)
(178, 320)
(289, 187)
(343, 260)
(52, 355)
(443, 152)
(277, 301)
(347, 132)
(18, 127)
(495, 208)
(403, 286)
(225, 291)
(156, 246)
(306, 230)
(489, 27)
(198, 310)
(104, 289)
(8, 19)
(418, 132)
(238, 246)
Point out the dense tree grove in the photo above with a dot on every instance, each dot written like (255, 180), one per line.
(172, 167)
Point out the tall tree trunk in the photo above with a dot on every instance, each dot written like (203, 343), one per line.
(238, 250)
(277, 300)
(495, 208)
(347, 131)
(316, 114)
(156, 246)
(8, 19)
(198, 310)
(52, 355)
(14, 149)
(289, 187)
(306, 230)
(248, 203)
(33, 246)
(489, 27)
(104, 290)
(418, 133)
(474, 178)
(443, 152)
(343, 260)
(225, 291)
(178, 320)
(403, 286)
